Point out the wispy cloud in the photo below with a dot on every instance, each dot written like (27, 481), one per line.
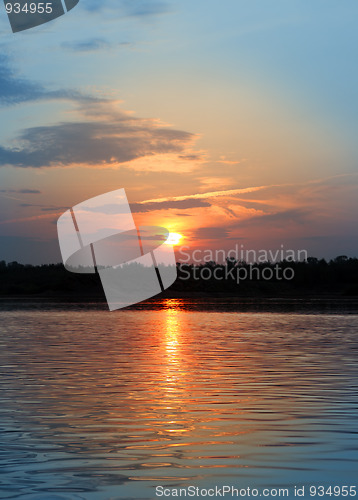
(93, 45)
(9, 193)
(143, 8)
(16, 89)
(88, 45)
(21, 191)
(279, 218)
(210, 194)
(52, 215)
(131, 8)
(210, 233)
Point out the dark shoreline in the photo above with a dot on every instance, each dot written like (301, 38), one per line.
(220, 303)
(317, 284)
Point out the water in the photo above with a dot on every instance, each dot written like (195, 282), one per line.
(99, 405)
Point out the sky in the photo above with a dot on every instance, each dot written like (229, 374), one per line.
(228, 122)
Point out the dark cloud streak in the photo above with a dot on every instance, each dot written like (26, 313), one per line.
(15, 90)
(88, 45)
(209, 233)
(21, 191)
(167, 205)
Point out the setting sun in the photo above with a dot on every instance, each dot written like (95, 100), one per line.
(174, 239)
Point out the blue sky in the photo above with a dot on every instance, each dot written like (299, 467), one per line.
(180, 101)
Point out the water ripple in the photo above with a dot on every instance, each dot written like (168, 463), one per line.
(96, 405)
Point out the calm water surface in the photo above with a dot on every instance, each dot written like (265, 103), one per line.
(99, 405)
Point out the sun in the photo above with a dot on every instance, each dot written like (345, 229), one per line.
(174, 239)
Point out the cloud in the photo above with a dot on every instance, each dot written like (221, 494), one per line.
(51, 209)
(209, 233)
(284, 217)
(44, 208)
(92, 45)
(257, 205)
(210, 194)
(167, 205)
(142, 8)
(15, 90)
(111, 209)
(103, 135)
(21, 191)
(108, 138)
(129, 8)
(89, 45)
(192, 157)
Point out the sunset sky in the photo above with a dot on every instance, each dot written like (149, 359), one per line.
(228, 122)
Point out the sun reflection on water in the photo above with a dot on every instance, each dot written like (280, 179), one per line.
(172, 345)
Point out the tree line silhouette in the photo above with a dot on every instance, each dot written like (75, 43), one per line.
(338, 276)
